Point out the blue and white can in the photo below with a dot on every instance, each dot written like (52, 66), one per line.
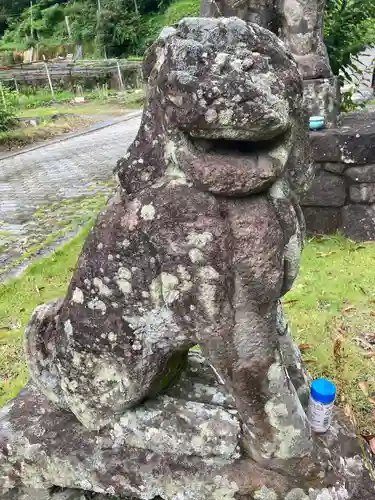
(321, 404)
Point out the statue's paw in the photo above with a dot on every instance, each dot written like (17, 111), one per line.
(42, 371)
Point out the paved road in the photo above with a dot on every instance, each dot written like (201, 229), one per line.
(60, 170)
(48, 191)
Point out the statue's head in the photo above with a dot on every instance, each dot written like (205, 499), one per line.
(224, 79)
(223, 85)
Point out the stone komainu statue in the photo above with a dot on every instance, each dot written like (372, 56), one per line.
(298, 23)
(198, 245)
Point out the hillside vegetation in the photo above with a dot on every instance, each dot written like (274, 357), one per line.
(105, 28)
(122, 28)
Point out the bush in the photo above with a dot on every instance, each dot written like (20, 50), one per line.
(347, 33)
(150, 29)
(7, 108)
(6, 58)
(178, 10)
(347, 103)
(152, 24)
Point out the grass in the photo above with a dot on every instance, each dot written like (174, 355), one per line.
(78, 115)
(51, 223)
(329, 307)
(94, 108)
(41, 98)
(97, 101)
(48, 129)
(43, 281)
(87, 108)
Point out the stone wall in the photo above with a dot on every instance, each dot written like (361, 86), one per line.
(342, 197)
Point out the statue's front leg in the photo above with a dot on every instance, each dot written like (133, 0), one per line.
(274, 421)
(292, 358)
(291, 219)
(114, 340)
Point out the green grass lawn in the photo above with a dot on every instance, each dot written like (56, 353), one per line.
(42, 282)
(330, 306)
(48, 129)
(79, 116)
(95, 104)
(69, 108)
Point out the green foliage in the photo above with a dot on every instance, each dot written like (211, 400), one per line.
(36, 98)
(121, 28)
(151, 27)
(348, 31)
(6, 57)
(7, 108)
(118, 27)
(9, 9)
(127, 27)
(348, 105)
(133, 99)
(178, 10)
(153, 24)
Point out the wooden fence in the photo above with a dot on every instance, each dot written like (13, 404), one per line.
(117, 74)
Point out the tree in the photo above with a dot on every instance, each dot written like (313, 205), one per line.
(9, 9)
(348, 32)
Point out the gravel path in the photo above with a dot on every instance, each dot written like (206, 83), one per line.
(42, 180)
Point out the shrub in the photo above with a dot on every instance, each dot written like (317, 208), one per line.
(150, 29)
(347, 33)
(152, 24)
(6, 58)
(178, 10)
(7, 108)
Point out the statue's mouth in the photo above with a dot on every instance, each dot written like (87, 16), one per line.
(224, 146)
(235, 167)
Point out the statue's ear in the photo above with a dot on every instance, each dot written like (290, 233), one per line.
(153, 53)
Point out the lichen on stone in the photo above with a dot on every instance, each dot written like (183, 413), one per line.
(197, 247)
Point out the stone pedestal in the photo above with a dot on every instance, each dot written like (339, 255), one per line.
(56, 494)
(184, 445)
(342, 197)
(197, 247)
